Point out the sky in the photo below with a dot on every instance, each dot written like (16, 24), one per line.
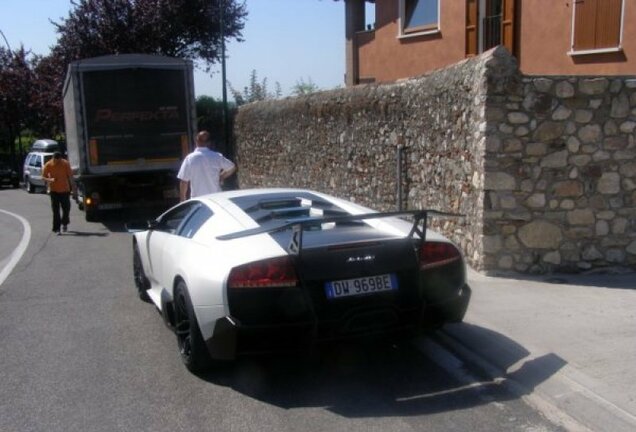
(285, 41)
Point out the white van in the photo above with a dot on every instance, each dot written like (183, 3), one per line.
(41, 152)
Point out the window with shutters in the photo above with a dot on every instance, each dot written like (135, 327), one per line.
(419, 17)
(597, 26)
(490, 23)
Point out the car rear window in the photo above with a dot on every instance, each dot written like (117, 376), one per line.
(276, 208)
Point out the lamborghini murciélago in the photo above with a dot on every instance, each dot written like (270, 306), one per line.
(268, 270)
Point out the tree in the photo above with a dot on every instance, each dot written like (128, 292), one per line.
(178, 28)
(303, 87)
(47, 96)
(210, 118)
(16, 94)
(255, 91)
(187, 29)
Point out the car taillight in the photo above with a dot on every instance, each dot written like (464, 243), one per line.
(273, 272)
(436, 254)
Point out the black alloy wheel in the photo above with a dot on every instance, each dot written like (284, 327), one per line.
(194, 353)
(141, 281)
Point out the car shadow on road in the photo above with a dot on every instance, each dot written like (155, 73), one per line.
(74, 233)
(504, 358)
(115, 220)
(360, 380)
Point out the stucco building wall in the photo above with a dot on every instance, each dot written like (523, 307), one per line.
(386, 57)
(542, 42)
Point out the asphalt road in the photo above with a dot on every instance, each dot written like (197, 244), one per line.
(80, 352)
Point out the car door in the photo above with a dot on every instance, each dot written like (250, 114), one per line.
(163, 237)
(36, 170)
(30, 165)
(25, 166)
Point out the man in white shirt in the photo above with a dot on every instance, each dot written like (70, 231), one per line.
(203, 170)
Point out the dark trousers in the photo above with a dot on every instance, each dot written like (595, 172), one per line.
(60, 200)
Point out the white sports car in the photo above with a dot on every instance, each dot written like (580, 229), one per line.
(264, 270)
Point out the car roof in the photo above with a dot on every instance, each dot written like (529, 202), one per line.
(45, 145)
(254, 192)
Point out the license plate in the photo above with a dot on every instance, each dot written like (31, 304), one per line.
(361, 286)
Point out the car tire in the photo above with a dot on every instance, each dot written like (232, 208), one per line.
(28, 185)
(194, 353)
(16, 185)
(141, 281)
(91, 215)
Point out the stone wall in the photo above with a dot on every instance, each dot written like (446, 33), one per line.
(561, 157)
(542, 168)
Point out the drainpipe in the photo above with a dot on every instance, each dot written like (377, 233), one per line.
(399, 176)
(354, 22)
(226, 122)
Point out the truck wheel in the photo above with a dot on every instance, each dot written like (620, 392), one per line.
(91, 215)
(194, 353)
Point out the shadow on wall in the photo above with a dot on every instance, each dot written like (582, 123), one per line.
(616, 57)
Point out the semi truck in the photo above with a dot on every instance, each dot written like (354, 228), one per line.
(129, 121)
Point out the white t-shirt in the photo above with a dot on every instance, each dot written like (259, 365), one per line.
(202, 169)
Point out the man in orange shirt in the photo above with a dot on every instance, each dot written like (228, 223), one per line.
(59, 176)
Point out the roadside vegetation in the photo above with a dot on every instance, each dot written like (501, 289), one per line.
(31, 85)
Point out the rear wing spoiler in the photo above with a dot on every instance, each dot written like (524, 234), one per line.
(420, 220)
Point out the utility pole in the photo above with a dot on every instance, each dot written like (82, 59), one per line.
(226, 125)
(5, 40)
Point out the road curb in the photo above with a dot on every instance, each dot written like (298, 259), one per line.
(563, 397)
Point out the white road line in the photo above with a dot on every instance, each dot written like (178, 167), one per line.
(15, 256)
